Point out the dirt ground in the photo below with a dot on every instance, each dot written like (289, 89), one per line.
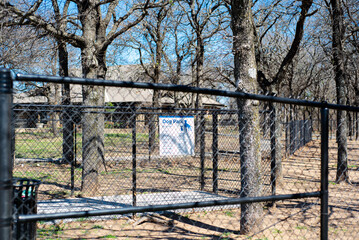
(294, 219)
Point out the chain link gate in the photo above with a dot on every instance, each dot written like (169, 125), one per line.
(205, 186)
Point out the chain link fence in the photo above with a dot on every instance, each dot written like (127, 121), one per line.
(147, 163)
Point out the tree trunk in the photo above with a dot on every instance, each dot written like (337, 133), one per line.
(199, 74)
(152, 127)
(245, 73)
(176, 81)
(67, 125)
(92, 123)
(340, 81)
(155, 97)
(193, 80)
(54, 99)
(92, 138)
(276, 146)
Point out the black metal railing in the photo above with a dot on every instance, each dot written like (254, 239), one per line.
(300, 133)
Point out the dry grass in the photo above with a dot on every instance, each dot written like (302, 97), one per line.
(295, 219)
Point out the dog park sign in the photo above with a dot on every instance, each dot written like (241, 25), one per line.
(176, 135)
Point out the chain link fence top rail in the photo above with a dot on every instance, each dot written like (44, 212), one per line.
(166, 161)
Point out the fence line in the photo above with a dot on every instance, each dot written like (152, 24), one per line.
(300, 133)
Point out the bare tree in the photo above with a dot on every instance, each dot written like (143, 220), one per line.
(63, 59)
(351, 10)
(338, 29)
(25, 49)
(277, 77)
(181, 47)
(205, 19)
(155, 30)
(92, 28)
(29, 50)
(245, 74)
(275, 59)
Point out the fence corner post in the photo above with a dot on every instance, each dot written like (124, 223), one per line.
(324, 217)
(5, 154)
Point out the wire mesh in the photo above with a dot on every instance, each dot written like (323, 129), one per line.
(143, 147)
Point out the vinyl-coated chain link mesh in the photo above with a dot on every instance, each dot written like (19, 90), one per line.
(145, 147)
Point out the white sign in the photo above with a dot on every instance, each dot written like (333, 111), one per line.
(176, 135)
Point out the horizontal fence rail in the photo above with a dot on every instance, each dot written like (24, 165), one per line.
(159, 208)
(181, 88)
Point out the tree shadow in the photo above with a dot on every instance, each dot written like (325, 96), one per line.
(195, 223)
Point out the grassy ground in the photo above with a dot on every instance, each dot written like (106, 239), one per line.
(44, 144)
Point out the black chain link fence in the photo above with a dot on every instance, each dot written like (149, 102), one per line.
(167, 170)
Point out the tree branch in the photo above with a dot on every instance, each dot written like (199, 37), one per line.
(114, 33)
(39, 22)
(306, 4)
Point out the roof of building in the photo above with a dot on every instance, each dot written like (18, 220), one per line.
(120, 95)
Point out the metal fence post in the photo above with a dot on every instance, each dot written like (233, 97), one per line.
(134, 162)
(291, 137)
(68, 147)
(301, 133)
(215, 151)
(202, 133)
(273, 147)
(5, 154)
(356, 126)
(287, 136)
(324, 217)
(13, 139)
